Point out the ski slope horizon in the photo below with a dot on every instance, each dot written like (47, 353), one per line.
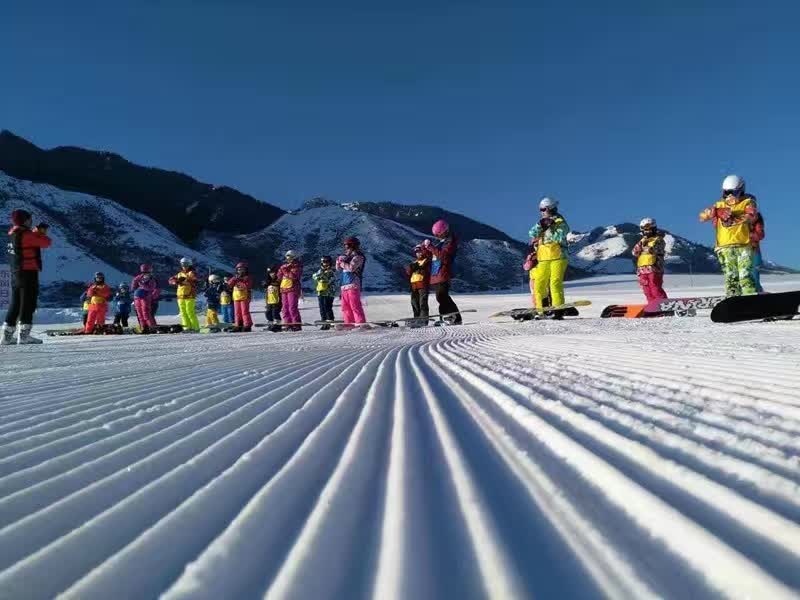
(589, 457)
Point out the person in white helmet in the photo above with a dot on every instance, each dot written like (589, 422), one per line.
(186, 283)
(734, 217)
(649, 253)
(550, 237)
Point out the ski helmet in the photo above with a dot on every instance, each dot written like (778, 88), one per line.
(548, 203)
(647, 223)
(145, 268)
(419, 248)
(99, 276)
(291, 255)
(19, 217)
(123, 286)
(732, 184)
(440, 228)
(186, 262)
(326, 258)
(214, 278)
(352, 241)
(241, 266)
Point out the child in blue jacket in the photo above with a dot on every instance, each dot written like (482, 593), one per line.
(122, 305)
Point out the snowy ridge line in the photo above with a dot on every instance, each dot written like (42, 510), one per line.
(81, 420)
(183, 476)
(138, 433)
(726, 568)
(217, 419)
(778, 492)
(778, 538)
(246, 557)
(201, 517)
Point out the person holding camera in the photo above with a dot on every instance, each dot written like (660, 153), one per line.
(25, 246)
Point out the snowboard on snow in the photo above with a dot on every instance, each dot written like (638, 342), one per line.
(548, 310)
(683, 304)
(642, 311)
(160, 329)
(407, 321)
(757, 307)
(107, 329)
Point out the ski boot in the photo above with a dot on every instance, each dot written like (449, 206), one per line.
(25, 336)
(247, 329)
(7, 338)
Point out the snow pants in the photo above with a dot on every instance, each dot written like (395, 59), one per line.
(419, 303)
(24, 297)
(549, 281)
(290, 313)
(737, 269)
(212, 317)
(227, 313)
(326, 308)
(186, 306)
(652, 284)
(122, 318)
(532, 283)
(352, 311)
(446, 304)
(273, 313)
(757, 262)
(97, 316)
(241, 308)
(143, 312)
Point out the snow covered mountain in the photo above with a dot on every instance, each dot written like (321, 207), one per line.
(94, 234)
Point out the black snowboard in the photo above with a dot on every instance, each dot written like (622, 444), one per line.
(756, 307)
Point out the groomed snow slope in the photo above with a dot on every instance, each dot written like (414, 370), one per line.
(584, 458)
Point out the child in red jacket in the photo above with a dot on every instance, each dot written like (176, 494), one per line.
(98, 295)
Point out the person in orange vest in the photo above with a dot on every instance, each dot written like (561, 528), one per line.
(649, 253)
(733, 217)
(419, 278)
(98, 294)
(186, 283)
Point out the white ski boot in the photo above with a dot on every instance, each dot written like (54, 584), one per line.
(25, 336)
(7, 335)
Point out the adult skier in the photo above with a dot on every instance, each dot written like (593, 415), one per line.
(25, 245)
(98, 293)
(290, 274)
(550, 235)
(325, 279)
(241, 286)
(186, 284)
(443, 253)
(649, 253)
(351, 264)
(733, 217)
(145, 290)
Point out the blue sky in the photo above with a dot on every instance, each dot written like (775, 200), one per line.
(620, 109)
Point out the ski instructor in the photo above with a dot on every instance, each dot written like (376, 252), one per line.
(550, 235)
(25, 247)
(443, 252)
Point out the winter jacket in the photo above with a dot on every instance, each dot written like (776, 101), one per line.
(98, 293)
(757, 232)
(240, 286)
(733, 221)
(225, 297)
(290, 275)
(649, 253)
(419, 273)
(186, 282)
(145, 288)
(213, 294)
(272, 290)
(326, 282)
(122, 303)
(551, 234)
(25, 248)
(84, 301)
(443, 253)
(351, 264)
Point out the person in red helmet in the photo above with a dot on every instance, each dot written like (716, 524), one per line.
(241, 286)
(443, 253)
(351, 264)
(25, 245)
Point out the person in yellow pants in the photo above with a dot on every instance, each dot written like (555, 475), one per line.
(186, 283)
(550, 234)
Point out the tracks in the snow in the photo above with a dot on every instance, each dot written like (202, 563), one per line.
(484, 461)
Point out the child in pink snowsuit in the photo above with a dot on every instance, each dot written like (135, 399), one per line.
(241, 286)
(145, 289)
(649, 254)
(351, 264)
(290, 275)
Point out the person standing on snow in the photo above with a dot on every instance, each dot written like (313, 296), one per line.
(550, 235)
(25, 247)
(757, 234)
(241, 286)
(290, 275)
(122, 305)
(325, 279)
(272, 299)
(419, 279)
(98, 294)
(443, 253)
(145, 289)
(351, 264)
(186, 283)
(649, 253)
(734, 217)
(213, 294)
